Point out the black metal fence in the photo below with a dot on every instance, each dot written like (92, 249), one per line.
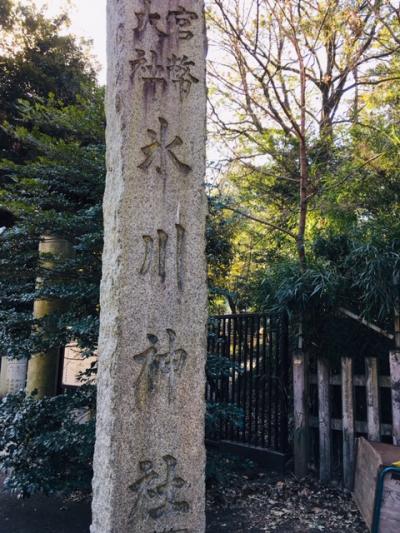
(257, 346)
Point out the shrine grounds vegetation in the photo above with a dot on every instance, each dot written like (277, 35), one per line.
(47, 444)
(52, 173)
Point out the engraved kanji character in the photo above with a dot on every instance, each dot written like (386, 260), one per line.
(138, 63)
(146, 17)
(183, 19)
(143, 487)
(179, 69)
(157, 497)
(146, 380)
(154, 71)
(149, 252)
(148, 72)
(169, 492)
(160, 146)
(162, 256)
(172, 363)
(156, 365)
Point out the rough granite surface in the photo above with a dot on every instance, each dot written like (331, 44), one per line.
(150, 458)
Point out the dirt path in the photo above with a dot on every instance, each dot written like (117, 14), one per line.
(246, 503)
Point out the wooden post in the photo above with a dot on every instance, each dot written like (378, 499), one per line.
(395, 380)
(300, 415)
(372, 391)
(324, 416)
(348, 422)
(395, 366)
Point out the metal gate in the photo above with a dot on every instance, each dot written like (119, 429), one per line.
(257, 347)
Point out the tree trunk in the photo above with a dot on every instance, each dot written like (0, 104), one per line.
(303, 205)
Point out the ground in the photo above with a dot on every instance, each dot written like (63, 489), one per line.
(249, 502)
(261, 502)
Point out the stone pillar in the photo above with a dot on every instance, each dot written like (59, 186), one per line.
(12, 375)
(150, 457)
(43, 367)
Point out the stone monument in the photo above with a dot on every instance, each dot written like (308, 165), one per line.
(150, 458)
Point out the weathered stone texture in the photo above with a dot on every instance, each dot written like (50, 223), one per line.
(12, 375)
(149, 459)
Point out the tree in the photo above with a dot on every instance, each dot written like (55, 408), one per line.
(37, 59)
(292, 73)
(43, 445)
(220, 254)
(38, 63)
(59, 192)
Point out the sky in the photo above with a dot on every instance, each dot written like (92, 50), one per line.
(88, 19)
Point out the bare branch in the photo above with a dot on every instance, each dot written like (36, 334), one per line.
(260, 221)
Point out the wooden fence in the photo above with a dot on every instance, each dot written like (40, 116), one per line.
(373, 389)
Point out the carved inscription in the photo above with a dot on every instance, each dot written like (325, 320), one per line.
(162, 255)
(162, 150)
(179, 70)
(177, 22)
(180, 255)
(151, 70)
(159, 495)
(183, 20)
(157, 367)
(148, 254)
(147, 18)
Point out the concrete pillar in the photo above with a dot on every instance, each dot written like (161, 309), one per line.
(43, 367)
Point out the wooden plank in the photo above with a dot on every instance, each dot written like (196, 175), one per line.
(324, 415)
(371, 458)
(358, 380)
(370, 325)
(270, 459)
(348, 422)
(300, 414)
(367, 466)
(395, 377)
(360, 426)
(372, 392)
